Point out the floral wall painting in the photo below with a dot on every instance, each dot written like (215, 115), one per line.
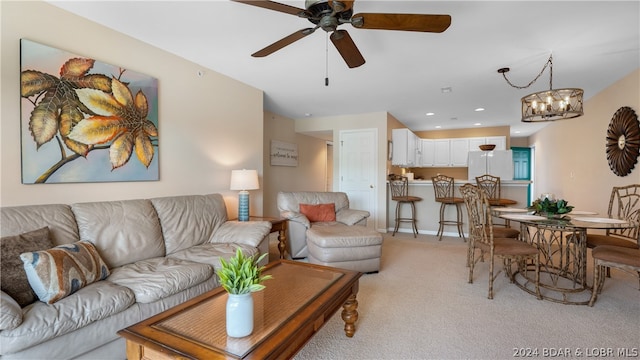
(85, 121)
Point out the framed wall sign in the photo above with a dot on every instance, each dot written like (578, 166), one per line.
(283, 153)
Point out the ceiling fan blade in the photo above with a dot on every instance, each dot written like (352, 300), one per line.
(347, 48)
(287, 40)
(272, 5)
(404, 22)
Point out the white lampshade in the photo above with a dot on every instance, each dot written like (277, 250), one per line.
(244, 180)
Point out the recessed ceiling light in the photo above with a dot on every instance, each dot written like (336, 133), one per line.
(477, 124)
(430, 114)
(479, 109)
(517, 132)
(438, 127)
(307, 114)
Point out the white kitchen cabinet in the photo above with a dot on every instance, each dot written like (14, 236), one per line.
(428, 152)
(406, 147)
(441, 151)
(500, 141)
(475, 142)
(458, 152)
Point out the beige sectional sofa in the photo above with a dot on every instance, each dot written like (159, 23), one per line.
(289, 205)
(159, 252)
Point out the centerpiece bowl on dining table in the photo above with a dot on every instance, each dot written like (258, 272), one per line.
(551, 208)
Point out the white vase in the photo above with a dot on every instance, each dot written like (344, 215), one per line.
(239, 315)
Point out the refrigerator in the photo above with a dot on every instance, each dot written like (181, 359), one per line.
(495, 162)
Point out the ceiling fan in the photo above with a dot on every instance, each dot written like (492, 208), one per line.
(329, 14)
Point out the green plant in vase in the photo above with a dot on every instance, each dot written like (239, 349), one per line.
(551, 208)
(240, 276)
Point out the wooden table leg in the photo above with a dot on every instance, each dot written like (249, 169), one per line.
(350, 315)
(282, 241)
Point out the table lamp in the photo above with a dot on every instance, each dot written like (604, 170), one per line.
(244, 180)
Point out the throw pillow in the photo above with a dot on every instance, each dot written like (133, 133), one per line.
(13, 279)
(63, 270)
(320, 212)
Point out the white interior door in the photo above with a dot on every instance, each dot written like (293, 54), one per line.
(358, 169)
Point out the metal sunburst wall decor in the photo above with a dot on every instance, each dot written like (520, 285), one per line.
(623, 141)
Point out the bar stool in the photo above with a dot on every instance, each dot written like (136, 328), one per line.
(443, 190)
(400, 194)
(491, 186)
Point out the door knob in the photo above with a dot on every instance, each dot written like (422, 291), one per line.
(371, 186)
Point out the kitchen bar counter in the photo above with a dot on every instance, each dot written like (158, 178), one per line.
(428, 210)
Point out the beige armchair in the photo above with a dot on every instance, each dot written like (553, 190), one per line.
(289, 205)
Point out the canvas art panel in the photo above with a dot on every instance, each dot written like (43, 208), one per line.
(83, 120)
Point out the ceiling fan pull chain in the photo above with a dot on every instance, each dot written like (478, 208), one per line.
(326, 60)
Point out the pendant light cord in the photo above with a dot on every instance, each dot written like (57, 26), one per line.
(326, 60)
(548, 64)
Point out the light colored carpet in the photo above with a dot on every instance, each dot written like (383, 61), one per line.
(420, 306)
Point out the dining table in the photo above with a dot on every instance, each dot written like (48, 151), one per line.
(562, 243)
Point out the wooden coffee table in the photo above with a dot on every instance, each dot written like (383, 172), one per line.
(296, 303)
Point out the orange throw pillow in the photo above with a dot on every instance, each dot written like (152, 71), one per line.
(320, 212)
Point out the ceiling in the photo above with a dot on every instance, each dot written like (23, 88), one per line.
(594, 44)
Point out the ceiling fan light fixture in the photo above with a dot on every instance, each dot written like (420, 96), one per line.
(548, 105)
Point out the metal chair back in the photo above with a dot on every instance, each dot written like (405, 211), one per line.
(490, 185)
(399, 187)
(443, 187)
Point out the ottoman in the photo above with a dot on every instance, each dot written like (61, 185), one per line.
(348, 247)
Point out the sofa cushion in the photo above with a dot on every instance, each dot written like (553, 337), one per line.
(189, 220)
(118, 227)
(319, 212)
(42, 322)
(211, 253)
(57, 217)
(13, 279)
(157, 278)
(10, 312)
(63, 270)
(242, 232)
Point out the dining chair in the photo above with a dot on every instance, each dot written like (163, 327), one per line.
(608, 256)
(481, 238)
(443, 189)
(400, 194)
(624, 203)
(499, 231)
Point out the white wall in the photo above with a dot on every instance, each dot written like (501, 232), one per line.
(208, 125)
(570, 154)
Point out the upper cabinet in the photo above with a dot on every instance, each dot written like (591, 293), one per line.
(454, 152)
(459, 152)
(427, 153)
(499, 141)
(407, 148)
(411, 151)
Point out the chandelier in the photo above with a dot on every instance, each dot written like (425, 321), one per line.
(548, 105)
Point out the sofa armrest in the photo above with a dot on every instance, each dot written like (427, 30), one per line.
(296, 217)
(10, 312)
(242, 232)
(351, 216)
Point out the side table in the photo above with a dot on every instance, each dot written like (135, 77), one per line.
(279, 225)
